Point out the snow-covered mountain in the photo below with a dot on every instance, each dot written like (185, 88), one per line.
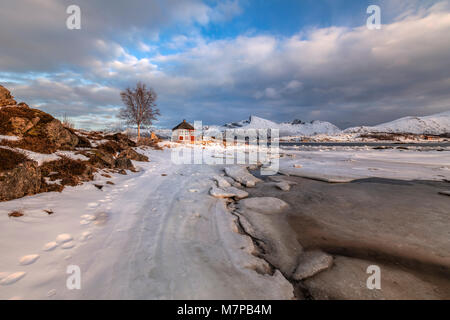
(295, 128)
(434, 124)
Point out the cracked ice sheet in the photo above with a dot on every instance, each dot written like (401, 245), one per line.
(344, 165)
(148, 238)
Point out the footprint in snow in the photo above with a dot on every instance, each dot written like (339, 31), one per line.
(88, 217)
(68, 245)
(28, 259)
(92, 205)
(50, 246)
(12, 278)
(64, 237)
(51, 293)
(86, 236)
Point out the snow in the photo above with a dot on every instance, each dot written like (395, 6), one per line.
(434, 124)
(155, 236)
(149, 238)
(345, 164)
(41, 158)
(9, 138)
(285, 129)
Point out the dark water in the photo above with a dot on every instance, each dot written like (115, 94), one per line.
(368, 144)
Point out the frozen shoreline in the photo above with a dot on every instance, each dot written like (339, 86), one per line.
(158, 234)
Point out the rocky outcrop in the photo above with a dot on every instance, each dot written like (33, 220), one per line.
(123, 163)
(133, 155)
(60, 136)
(6, 99)
(24, 179)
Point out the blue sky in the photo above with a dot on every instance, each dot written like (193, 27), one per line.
(221, 61)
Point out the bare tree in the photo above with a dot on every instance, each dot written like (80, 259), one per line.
(140, 106)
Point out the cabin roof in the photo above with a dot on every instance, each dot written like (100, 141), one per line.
(183, 125)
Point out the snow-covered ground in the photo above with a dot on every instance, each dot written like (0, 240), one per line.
(149, 236)
(158, 234)
(344, 164)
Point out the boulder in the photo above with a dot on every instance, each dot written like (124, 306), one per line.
(122, 139)
(60, 136)
(131, 154)
(102, 159)
(6, 99)
(21, 125)
(23, 180)
(123, 163)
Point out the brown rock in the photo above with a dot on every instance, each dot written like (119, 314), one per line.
(123, 163)
(60, 136)
(25, 179)
(6, 99)
(102, 159)
(133, 155)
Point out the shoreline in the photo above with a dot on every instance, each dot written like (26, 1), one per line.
(401, 227)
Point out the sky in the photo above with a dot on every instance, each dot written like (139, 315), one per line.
(222, 61)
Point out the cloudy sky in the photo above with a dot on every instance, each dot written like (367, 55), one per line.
(221, 61)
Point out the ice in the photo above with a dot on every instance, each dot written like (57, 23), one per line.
(228, 192)
(241, 175)
(266, 205)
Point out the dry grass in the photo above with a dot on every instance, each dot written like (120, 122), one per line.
(70, 172)
(10, 159)
(36, 144)
(15, 214)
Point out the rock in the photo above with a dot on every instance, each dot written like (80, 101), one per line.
(129, 153)
(241, 175)
(123, 172)
(228, 192)
(6, 99)
(311, 263)
(122, 139)
(222, 182)
(60, 136)
(265, 205)
(123, 163)
(21, 125)
(23, 180)
(102, 158)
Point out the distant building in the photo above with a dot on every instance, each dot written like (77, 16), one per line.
(183, 132)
